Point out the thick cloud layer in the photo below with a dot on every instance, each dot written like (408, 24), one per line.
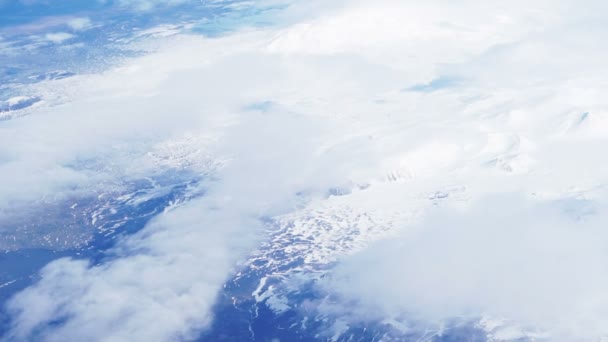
(539, 267)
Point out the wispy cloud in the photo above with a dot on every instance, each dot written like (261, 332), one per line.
(79, 23)
(147, 5)
(58, 37)
(48, 23)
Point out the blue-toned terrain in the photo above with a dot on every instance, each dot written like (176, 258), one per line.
(59, 39)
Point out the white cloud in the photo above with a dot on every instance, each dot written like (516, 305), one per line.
(58, 37)
(169, 274)
(80, 23)
(147, 5)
